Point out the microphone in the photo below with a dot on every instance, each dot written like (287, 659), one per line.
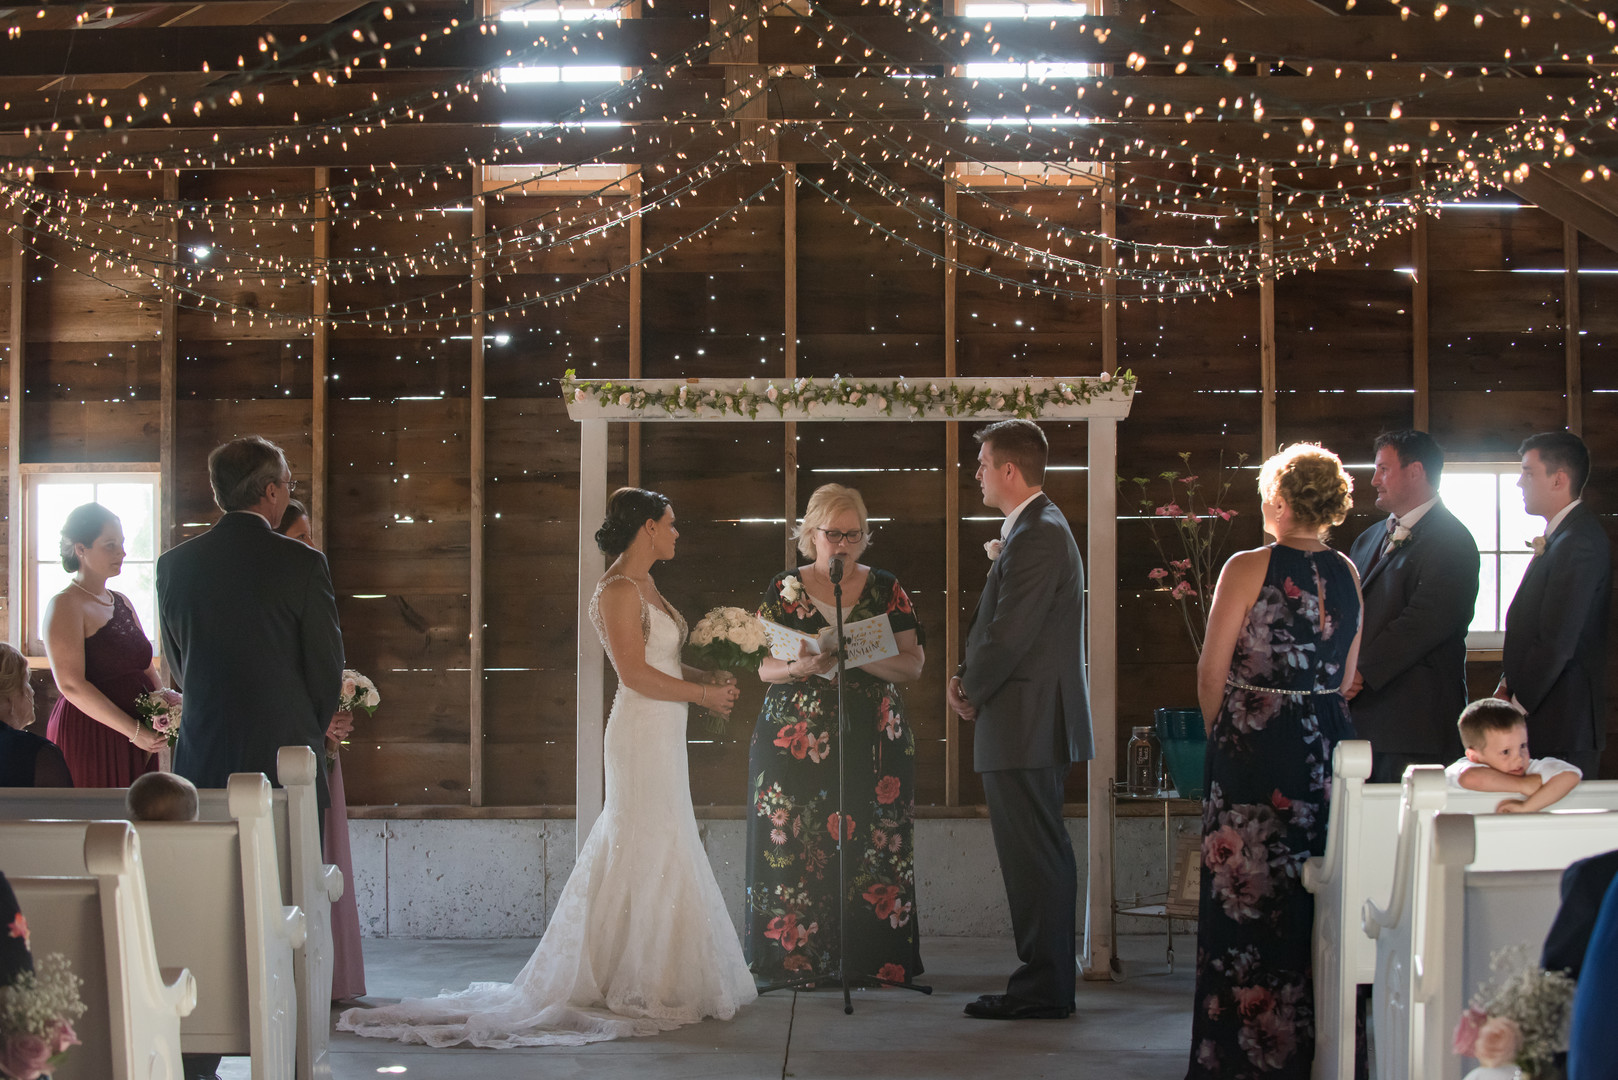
(836, 573)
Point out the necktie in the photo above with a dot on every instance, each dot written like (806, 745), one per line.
(1386, 546)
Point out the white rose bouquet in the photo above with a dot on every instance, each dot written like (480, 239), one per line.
(160, 710)
(358, 693)
(728, 639)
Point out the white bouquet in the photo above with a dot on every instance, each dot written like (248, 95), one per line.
(160, 710)
(36, 1015)
(728, 639)
(358, 693)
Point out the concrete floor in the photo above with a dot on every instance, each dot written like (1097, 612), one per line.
(1137, 1029)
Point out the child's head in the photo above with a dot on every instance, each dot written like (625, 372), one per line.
(162, 796)
(1495, 733)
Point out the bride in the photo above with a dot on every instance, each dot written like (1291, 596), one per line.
(640, 941)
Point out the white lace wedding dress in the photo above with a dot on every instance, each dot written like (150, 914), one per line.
(640, 941)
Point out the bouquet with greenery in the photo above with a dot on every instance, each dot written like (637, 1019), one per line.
(1520, 1017)
(358, 693)
(1193, 545)
(160, 710)
(36, 1018)
(728, 639)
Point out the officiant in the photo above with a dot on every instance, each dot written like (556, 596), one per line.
(793, 909)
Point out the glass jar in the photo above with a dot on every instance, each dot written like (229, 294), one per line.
(1143, 763)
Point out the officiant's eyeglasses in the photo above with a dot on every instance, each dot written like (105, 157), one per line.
(833, 536)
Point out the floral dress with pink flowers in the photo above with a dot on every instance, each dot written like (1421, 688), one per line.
(792, 906)
(1269, 782)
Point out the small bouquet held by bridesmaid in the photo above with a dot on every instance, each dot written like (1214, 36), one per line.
(728, 639)
(358, 693)
(1519, 1018)
(160, 710)
(36, 1017)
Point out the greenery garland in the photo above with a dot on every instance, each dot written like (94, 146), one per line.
(899, 397)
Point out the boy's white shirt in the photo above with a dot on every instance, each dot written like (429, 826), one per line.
(1544, 768)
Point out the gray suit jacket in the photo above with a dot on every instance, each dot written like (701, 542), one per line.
(1024, 667)
(1418, 605)
(1556, 638)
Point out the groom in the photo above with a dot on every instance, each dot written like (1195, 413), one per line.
(1023, 682)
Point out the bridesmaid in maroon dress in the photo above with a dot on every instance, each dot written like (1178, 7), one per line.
(348, 960)
(100, 657)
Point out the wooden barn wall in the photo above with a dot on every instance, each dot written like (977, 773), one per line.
(398, 417)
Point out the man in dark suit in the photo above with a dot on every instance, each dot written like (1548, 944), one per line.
(1556, 627)
(1419, 575)
(1023, 682)
(249, 627)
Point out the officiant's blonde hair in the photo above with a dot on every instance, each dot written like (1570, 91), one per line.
(827, 502)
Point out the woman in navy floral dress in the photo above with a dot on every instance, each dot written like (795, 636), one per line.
(1283, 636)
(793, 910)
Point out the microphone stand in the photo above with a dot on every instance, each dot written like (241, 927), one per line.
(836, 576)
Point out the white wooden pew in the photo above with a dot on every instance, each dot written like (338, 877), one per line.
(1464, 886)
(1358, 867)
(215, 900)
(307, 882)
(100, 921)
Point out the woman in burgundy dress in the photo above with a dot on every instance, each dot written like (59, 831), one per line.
(348, 958)
(100, 657)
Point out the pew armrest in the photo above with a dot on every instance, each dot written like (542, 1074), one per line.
(179, 990)
(334, 883)
(294, 925)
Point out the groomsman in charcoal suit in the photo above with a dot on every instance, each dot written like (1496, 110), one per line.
(249, 627)
(1023, 682)
(1419, 576)
(1556, 627)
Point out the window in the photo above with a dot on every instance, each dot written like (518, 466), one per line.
(543, 12)
(1485, 497)
(1037, 70)
(131, 492)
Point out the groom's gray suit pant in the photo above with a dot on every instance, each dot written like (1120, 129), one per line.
(1041, 875)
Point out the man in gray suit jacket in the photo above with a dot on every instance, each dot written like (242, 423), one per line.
(1023, 682)
(1555, 663)
(1419, 576)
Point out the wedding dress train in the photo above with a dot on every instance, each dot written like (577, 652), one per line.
(640, 941)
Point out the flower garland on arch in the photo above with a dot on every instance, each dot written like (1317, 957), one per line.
(895, 397)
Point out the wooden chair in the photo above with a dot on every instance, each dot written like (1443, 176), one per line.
(99, 919)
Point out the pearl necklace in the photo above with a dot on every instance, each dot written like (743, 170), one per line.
(100, 600)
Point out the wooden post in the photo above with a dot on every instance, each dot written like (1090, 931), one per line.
(789, 430)
(636, 243)
(1099, 959)
(1266, 312)
(952, 503)
(320, 347)
(168, 376)
(15, 535)
(478, 428)
(1572, 340)
(588, 775)
(1421, 405)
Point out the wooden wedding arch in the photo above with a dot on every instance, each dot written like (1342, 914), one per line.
(1100, 401)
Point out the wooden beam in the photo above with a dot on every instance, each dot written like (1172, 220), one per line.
(478, 424)
(1571, 203)
(320, 381)
(1101, 616)
(1420, 333)
(1266, 316)
(168, 360)
(1572, 339)
(789, 289)
(15, 534)
(637, 245)
(953, 763)
(589, 781)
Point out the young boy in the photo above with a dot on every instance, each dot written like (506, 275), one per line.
(1495, 734)
(162, 796)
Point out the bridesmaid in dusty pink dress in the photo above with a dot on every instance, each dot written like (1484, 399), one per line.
(348, 961)
(100, 657)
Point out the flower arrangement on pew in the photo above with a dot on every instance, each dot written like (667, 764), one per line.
(160, 710)
(36, 1018)
(727, 639)
(1201, 532)
(1520, 1017)
(358, 693)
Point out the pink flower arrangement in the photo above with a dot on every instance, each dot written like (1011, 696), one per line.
(1519, 1018)
(36, 1019)
(1202, 530)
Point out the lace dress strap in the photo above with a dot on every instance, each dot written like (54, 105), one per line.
(601, 627)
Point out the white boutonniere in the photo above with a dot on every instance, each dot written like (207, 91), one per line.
(1538, 544)
(1401, 536)
(791, 589)
(994, 547)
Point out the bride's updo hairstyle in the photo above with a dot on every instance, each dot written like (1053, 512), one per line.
(627, 510)
(84, 525)
(1311, 481)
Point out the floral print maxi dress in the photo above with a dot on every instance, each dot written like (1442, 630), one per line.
(792, 906)
(1269, 779)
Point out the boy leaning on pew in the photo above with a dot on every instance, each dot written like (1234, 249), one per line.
(1495, 734)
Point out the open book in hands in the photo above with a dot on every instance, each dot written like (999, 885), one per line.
(867, 641)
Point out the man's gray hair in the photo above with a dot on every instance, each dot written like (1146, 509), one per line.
(241, 470)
